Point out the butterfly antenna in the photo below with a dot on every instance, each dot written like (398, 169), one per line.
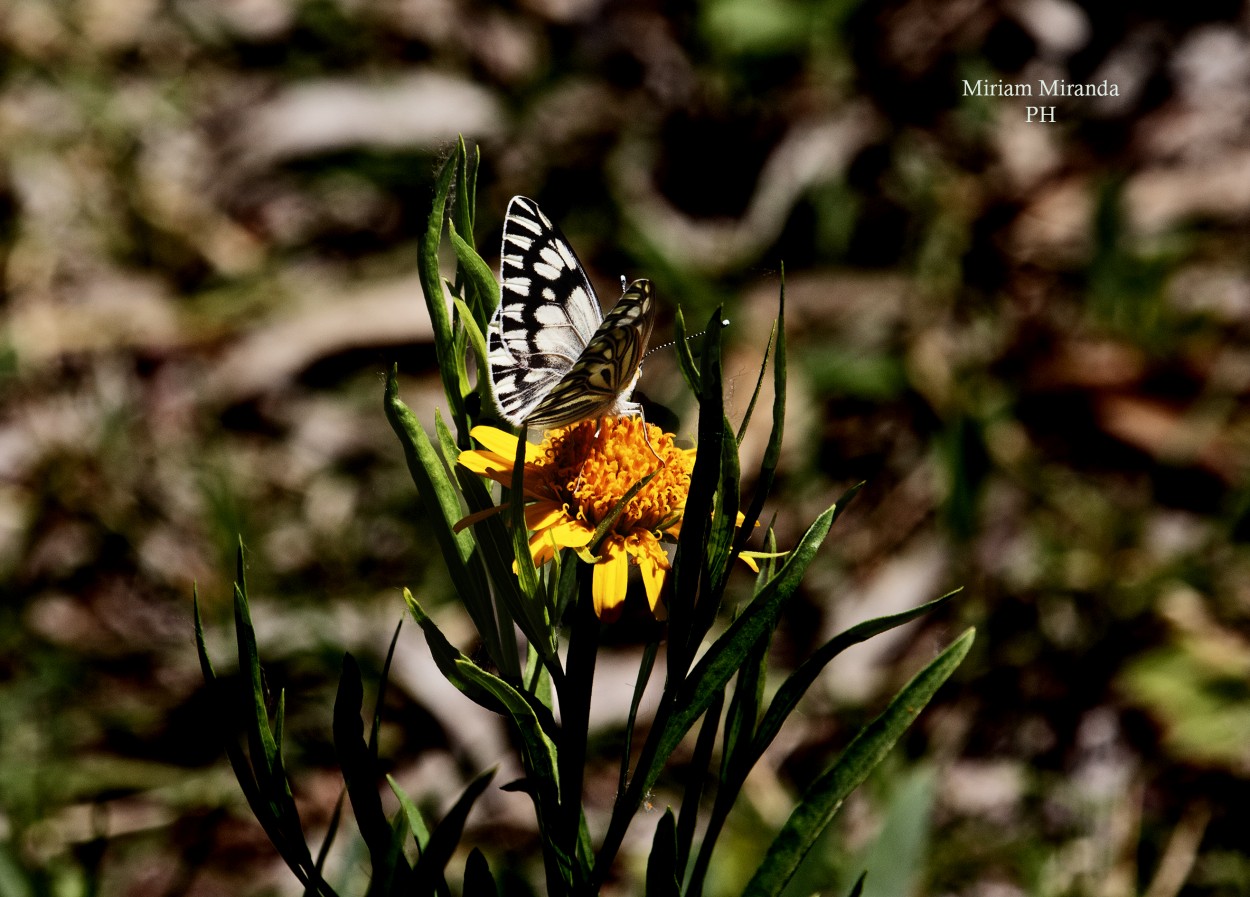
(724, 323)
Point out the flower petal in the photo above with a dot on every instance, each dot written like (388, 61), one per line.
(611, 579)
(504, 444)
(653, 562)
(546, 542)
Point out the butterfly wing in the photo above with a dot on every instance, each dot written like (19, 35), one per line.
(603, 377)
(548, 312)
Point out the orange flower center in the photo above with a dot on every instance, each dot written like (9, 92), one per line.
(592, 464)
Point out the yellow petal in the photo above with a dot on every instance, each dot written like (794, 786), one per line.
(611, 579)
(484, 462)
(542, 514)
(569, 534)
(653, 562)
(504, 444)
(477, 517)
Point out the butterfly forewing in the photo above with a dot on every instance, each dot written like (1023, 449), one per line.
(603, 377)
(554, 359)
(547, 313)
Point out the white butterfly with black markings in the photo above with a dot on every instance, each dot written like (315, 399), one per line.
(554, 358)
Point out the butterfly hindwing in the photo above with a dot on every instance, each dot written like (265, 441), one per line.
(602, 379)
(554, 359)
(547, 313)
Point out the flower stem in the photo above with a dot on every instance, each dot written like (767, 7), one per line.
(575, 716)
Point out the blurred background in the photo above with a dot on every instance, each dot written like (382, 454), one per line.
(1031, 341)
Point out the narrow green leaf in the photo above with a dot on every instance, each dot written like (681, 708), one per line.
(759, 385)
(382, 683)
(699, 768)
(274, 811)
(478, 274)
(798, 682)
(446, 836)
(446, 656)
(360, 772)
(541, 761)
(477, 340)
(858, 888)
(743, 713)
(734, 645)
(663, 879)
(527, 575)
(478, 882)
(416, 822)
(724, 525)
(432, 286)
(324, 850)
(685, 359)
(442, 507)
(262, 745)
(645, 666)
(825, 796)
(494, 552)
(690, 560)
(772, 453)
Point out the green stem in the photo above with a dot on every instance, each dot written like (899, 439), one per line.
(575, 715)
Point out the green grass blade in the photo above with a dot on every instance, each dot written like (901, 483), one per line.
(429, 872)
(685, 358)
(446, 656)
(690, 561)
(699, 768)
(416, 822)
(825, 796)
(479, 277)
(478, 882)
(663, 879)
(382, 683)
(798, 682)
(360, 773)
(759, 385)
(432, 287)
(441, 501)
(772, 452)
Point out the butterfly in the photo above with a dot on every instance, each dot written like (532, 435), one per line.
(554, 358)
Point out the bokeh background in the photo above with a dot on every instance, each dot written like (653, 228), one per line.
(1031, 341)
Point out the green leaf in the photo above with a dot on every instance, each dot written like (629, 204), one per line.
(798, 682)
(759, 385)
(662, 875)
(479, 276)
(645, 666)
(361, 775)
(690, 561)
(478, 882)
(825, 796)
(428, 873)
(896, 859)
(772, 453)
(724, 525)
(432, 287)
(382, 682)
(273, 808)
(734, 645)
(685, 358)
(416, 822)
(541, 760)
(441, 502)
(446, 656)
(698, 769)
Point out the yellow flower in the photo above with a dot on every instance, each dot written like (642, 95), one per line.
(574, 479)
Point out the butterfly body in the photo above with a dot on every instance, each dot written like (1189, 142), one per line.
(554, 357)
